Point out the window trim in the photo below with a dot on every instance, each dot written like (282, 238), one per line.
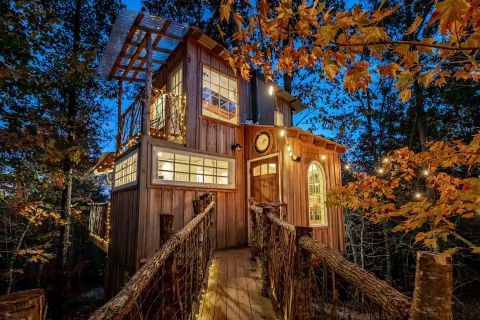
(317, 225)
(237, 123)
(156, 181)
(129, 184)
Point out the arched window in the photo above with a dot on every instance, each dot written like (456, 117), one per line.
(316, 195)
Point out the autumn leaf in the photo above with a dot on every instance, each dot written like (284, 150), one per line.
(389, 70)
(225, 11)
(415, 25)
(405, 95)
(357, 77)
(331, 70)
(426, 78)
(451, 12)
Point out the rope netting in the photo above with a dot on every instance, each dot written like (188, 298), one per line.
(303, 277)
(168, 286)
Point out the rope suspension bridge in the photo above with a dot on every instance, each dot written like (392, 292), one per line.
(285, 274)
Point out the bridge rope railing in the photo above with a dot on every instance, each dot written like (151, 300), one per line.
(168, 285)
(305, 279)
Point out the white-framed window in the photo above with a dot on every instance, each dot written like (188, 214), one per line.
(317, 195)
(278, 118)
(175, 167)
(125, 171)
(219, 96)
(175, 87)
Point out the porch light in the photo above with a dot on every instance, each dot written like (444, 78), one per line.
(270, 90)
(289, 148)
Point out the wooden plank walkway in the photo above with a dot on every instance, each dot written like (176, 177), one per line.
(233, 290)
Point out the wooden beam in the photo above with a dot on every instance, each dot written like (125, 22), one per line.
(135, 57)
(156, 49)
(340, 149)
(165, 35)
(319, 142)
(154, 44)
(130, 56)
(128, 79)
(138, 69)
(131, 33)
(330, 146)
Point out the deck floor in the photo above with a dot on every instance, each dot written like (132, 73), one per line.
(234, 288)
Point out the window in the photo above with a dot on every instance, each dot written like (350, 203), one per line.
(278, 118)
(158, 111)
(219, 96)
(186, 168)
(175, 87)
(265, 168)
(126, 171)
(316, 195)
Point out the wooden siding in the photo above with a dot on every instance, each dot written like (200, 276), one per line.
(293, 177)
(203, 133)
(284, 107)
(122, 247)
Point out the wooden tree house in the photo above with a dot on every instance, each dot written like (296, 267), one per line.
(196, 128)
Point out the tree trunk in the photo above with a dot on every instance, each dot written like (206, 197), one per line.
(432, 296)
(420, 115)
(394, 304)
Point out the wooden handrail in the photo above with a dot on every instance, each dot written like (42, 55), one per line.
(394, 303)
(123, 302)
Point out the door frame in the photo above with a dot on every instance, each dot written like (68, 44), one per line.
(279, 170)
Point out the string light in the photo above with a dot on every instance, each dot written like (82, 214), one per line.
(385, 160)
(323, 157)
(289, 148)
(347, 166)
(425, 172)
(380, 170)
(282, 133)
(418, 195)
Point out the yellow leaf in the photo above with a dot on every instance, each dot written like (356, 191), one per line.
(331, 70)
(426, 78)
(415, 25)
(451, 14)
(451, 251)
(405, 95)
(225, 10)
(476, 250)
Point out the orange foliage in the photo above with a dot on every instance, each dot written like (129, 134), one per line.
(338, 40)
(427, 192)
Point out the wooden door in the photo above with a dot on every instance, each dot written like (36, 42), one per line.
(264, 180)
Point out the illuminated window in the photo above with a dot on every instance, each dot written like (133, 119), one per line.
(317, 195)
(265, 168)
(278, 118)
(175, 87)
(126, 171)
(187, 168)
(219, 96)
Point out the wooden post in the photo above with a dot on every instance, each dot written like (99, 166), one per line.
(29, 304)
(119, 115)
(432, 296)
(301, 307)
(166, 227)
(198, 206)
(265, 229)
(254, 234)
(148, 87)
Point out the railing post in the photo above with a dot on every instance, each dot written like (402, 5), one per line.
(166, 227)
(302, 278)
(432, 296)
(265, 229)
(254, 233)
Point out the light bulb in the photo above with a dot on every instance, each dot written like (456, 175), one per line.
(270, 90)
(282, 133)
(347, 167)
(380, 170)
(425, 172)
(289, 148)
(323, 157)
(418, 195)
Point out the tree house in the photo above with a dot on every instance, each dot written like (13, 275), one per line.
(197, 127)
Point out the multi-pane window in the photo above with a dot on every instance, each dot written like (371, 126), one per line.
(316, 195)
(191, 168)
(265, 168)
(126, 170)
(175, 87)
(278, 118)
(219, 96)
